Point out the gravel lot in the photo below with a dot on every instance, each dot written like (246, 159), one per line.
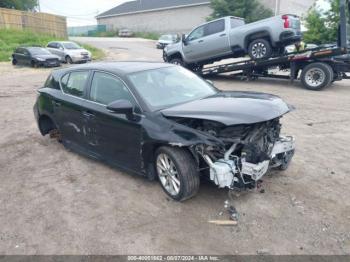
(53, 201)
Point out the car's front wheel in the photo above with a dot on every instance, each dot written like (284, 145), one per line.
(34, 64)
(177, 172)
(68, 60)
(177, 61)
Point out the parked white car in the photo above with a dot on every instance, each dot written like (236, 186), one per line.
(165, 40)
(69, 52)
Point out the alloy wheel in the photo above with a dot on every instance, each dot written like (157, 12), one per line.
(168, 174)
(259, 50)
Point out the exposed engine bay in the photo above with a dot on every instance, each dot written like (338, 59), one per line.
(249, 151)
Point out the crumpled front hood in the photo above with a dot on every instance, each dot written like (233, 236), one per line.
(232, 108)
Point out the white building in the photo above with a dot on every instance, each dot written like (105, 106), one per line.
(178, 15)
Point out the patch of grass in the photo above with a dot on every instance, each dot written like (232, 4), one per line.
(104, 34)
(10, 39)
(147, 35)
(97, 54)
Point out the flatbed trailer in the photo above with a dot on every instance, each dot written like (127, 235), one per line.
(319, 67)
(316, 68)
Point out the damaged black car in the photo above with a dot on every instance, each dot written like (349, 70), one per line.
(162, 121)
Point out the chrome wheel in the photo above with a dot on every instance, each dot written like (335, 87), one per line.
(259, 50)
(315, 77)
(168, 174)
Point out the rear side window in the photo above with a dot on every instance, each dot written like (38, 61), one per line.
(106, 89)
(74, 83)
(215, 27)
(52, 83)
(236, 22)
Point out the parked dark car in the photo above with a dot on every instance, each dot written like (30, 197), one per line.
(35, 57)
(161, 120)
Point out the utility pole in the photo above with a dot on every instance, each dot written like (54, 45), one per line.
(277, 7)
(39, 6)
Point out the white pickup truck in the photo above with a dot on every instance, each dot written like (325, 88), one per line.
(230, 37)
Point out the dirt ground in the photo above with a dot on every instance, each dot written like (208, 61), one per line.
(53, 201)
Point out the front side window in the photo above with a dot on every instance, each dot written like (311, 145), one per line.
(196, 34)
(106, 89)
(74, 83)
(215, 27)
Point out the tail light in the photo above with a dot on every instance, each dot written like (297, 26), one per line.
(286, 21)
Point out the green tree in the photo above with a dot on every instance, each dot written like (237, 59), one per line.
(322, 25)
(26, 5)
(250, 10)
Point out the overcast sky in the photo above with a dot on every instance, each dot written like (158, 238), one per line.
(78, 12)
(83, 12)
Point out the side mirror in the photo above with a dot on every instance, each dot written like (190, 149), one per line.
(183, 39)
(121, 107)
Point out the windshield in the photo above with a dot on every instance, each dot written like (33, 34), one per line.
(38, 51)
(165, 87)
(71, 46)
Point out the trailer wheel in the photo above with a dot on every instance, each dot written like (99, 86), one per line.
(316, 76)
(260, 49)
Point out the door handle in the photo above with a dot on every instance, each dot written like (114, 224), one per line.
(200, 41)
(88, 114)
(222, 35)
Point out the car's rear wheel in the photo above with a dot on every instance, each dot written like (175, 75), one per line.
(69, 60)
(260, 49)
(177, 172)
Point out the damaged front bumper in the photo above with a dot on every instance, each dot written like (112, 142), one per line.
(235, 172)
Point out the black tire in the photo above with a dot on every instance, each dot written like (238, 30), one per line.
(317, 76)
(177, 61)
(68, 60)
(187, 173)
(259, 49)
(34, 64)
(14, 61)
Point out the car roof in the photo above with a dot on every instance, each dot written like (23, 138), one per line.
(122, 68)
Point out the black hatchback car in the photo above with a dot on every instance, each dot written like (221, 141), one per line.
(35, 57)
(161, 120)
